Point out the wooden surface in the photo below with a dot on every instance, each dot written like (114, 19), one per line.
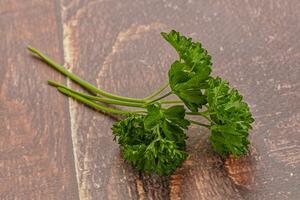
(52, 147)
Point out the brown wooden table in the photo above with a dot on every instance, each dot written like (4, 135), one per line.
(52, 147)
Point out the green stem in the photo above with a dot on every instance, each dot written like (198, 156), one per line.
(93, 104)
(200, 124)
(171, 102)
(80, 81)
(157, 92)
(159, 98)
(96, 98)
(203, 114)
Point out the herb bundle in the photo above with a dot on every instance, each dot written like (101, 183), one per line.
(152, 134)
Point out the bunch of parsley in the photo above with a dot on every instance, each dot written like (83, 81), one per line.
(153, 137)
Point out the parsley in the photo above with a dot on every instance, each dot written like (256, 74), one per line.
(152, 134)
(231, 118)
(149, 148)
(189, 75)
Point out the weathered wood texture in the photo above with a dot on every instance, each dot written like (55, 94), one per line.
(116, 45)
(36, 156)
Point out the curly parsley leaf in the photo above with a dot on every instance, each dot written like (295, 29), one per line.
(161, 156)
(170, 121)
(188, 76)
(150, 149)
(155, 142)
(131, 131)
(191, 52)
(187, 84)
(176, 115)
(231, 118)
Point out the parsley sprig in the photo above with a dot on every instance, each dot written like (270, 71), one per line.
(152, 133)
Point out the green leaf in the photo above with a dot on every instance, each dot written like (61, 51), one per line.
(170, 121)
(177, 112)
(162, 156)
(193, 99)
(228, 139)
(178, 74)
(176, 115)
(173, 133)
(189, 76)
(153, 143)
(131, 131)
(187, 86)
(191, 52)
(231, 118)
(155, 115)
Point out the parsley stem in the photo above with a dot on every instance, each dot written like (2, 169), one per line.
(199, 123)
(157, 92)
(159, 98)
(93, 104)
(171, 102)
(203, 114)
(78, 80)
(97, 98)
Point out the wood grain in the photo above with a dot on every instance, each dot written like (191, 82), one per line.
(36, 158)
(116, 45)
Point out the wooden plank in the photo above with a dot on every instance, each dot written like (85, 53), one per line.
(36, 157)
(116, 45)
